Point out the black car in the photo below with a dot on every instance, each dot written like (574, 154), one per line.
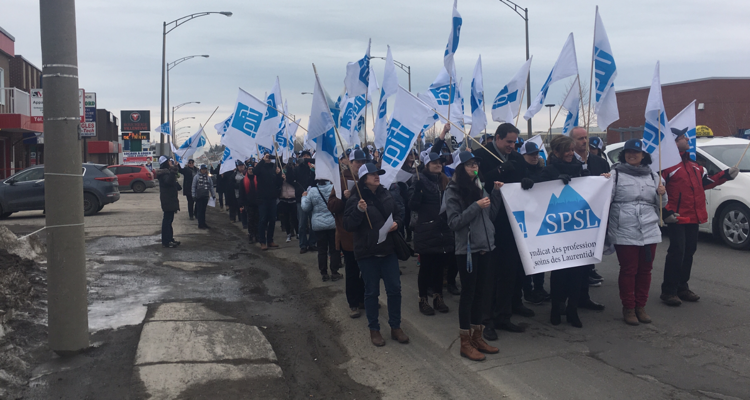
(24, 191)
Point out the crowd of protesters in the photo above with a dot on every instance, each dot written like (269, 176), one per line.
(451, 211)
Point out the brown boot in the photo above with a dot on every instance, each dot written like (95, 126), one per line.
(273, 245)
(478, 341)
(629, 315)
(263, 246)
(399, 335)
(640, 313)
(376, 338)
(438, 304)
(467, 348)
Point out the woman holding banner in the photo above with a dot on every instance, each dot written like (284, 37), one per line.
(470, 214)
(634, 227)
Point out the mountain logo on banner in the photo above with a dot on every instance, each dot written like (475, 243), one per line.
(521, 220)
(567, 213)
(504, 98)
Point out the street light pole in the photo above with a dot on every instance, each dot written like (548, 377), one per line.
(404, 67)
(549, 107)
(177, 107)
(169, 68)
(515, 7)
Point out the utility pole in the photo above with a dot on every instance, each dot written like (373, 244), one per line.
(63, 192)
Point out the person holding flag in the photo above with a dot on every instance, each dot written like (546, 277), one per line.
(248, 200)
(188, 172)
(201, 187)
(270, 179)
(170, 204)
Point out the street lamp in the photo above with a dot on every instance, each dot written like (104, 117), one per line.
(177, 22)
(169, 67)
(515, 7)
(549, 107)
(180, 120)
(403, 67)
(307, 92)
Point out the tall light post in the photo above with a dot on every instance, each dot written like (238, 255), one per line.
(515, 7)
(172, 26)
(403, 67)
(180, 120)
(177, 107)
(549, 107)
(169, 67)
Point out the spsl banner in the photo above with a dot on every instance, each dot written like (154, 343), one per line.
(559, 226)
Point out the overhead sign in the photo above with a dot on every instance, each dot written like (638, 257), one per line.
(703, 131)
(135, 120)
(88, 127)
(37, 105)
(136, 136)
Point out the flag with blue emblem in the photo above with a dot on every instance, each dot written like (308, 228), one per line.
(450, 49)
(657, 136)
(478, 117)
(352, 109)
(221, 127)
(605, 72)
(248, 114)
(572, 103)
(565, 66)
(281, 137)
(273, 118)
(291, 129)
(540, 144)
(163, 128)
(358, 75)
(321, 131)
(193, 147)
(390, 87)
(507, 103)
(321, 120)
(443, 95)
(407, 122)
(684, 124)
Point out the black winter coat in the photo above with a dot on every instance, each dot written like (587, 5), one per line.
(556, 167)
(431, 233)
(269, 182)
(187, 179)
(301, 177)
(597, 165)
(168, 189)
(380, 205)
(248, 198)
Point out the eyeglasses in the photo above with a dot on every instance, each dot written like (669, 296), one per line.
(471, 164)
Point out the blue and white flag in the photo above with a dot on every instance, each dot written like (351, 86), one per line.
(321, 120)
(291, 129)
(163, 128)
(657, 136)
(450, 49)
(281, 138)
(271, 121)
(358, 75)
(352, 109)
(507, 103)
(248, 114)
(221, 127)
(684, 124)
(407, 122)
(572, 103)
(227, 160)
(327, 159)
(540, 144)
(478, 117)
(444, 96)
(605, 72)
(565, 66)
(390, 88)
(195, 144)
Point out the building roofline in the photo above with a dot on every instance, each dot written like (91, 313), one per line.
(27, 61)
(713, 78)
(4, 32)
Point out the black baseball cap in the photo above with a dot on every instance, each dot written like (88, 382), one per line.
(633, 144)
(678, 132)
(203, 166)
(432, 156)
(237, 163)
(465, 156)
(369, 168)
(529, 148)
(595, 143)
(303, 152)
(358, 155)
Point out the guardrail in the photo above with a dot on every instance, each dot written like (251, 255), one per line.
(14, 101)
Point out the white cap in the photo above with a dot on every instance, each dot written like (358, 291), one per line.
(163, 159)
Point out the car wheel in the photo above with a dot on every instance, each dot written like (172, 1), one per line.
(90, 204)
(139, 187)
(734, 226)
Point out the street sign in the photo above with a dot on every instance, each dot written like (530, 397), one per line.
(135, 120)
(88, 127)
(37, 105)
(136, 136)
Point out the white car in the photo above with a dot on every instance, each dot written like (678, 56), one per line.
(728, 205)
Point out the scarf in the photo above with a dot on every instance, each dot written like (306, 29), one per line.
(637, 170)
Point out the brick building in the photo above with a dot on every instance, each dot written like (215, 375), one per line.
(722, 104)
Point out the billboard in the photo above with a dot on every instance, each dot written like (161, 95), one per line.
(136, 136)
(135, 121)
(37, 105)
(88, 127)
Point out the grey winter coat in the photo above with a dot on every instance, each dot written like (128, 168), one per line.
(322, 219)
(634, 213)
(471, 221)
(202, 186)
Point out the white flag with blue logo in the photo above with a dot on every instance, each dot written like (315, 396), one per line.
(327, 159)
(684, 124)
(507, 103)
(443, 95)
(572, 103)
(407, 121)
(390, 88)
(163, 128)
(221, 127)
(565, 66)
(352, 110)
(281, 137)
(195, 144)
(450, 49)
(478, 117)
(273, 118)
(291, 129)
(358, 75)
(665, 153)
(321, 120)
(605, 72)
(243, 129)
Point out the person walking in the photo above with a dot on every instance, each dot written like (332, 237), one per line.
(219, 185)
(201, 189)
(248, 200)
(170, 204)
(365, 215)
(470, 212)
(187, 182)
(269, 178)
(232, 191)
(288, 208)
(315, 203)
(302, 176)
(633, 227)
(433, 239)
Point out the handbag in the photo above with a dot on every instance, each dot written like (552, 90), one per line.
(401, 247)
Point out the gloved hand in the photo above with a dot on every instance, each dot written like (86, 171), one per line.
(527, 183)
(732, 172)
(671, 219)
(585, 172)
(507, 166)
(565, 178)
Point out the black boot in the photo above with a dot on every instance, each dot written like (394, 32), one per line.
(489, 332)
(555, 317)
(571, 315)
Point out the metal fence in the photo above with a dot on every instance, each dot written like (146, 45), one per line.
(14, 101)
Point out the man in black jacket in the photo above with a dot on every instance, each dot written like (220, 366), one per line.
(187, 183)
(301, 177)
(269, 179)
(170, 204)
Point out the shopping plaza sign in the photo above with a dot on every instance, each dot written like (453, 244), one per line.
(37, 105)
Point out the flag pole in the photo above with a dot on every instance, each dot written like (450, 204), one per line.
(743, 156)
(563, 102)
(661, 206)
(285, 116)
(583, 106)
(591, 81)
(450, 100)
(364, 127)
(520, 103)
(356, 184)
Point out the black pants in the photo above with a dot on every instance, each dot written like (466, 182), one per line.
(470, 305)
(191, 205)
(566, 284)
(167, 234)
(532, 283)
(288, 214)
(585, 296)
(233, 205)
(508, 282)
(251, 213)
(355, 286)
(221, 198)
(431, 271)
(326, 246)
(200, 211)
(683, 241)
(451, 271)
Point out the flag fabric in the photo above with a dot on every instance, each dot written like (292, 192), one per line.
(281, 138)
(243, 129)
(540, 143)
(507, 103)
(443, 95)
(271, 121)
(327, 159)
(407, 122)
(291, 129)
(605, 72)
(666, 154)
(195, 144)
(163, 128)
(222, 126)
(390, 87)
(565, 66)
(358, 74)
(572, 103)
(685, 122)
(352, 110)
(450, 49)
(227, 160)
(321, 120)
(478, 117)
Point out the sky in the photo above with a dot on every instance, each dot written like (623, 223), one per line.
(120, 44)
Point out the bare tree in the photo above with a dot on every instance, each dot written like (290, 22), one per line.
(586, 115)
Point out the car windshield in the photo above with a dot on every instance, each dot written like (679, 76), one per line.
(729, 155)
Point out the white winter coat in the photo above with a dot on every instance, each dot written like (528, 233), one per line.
(321, 217)
(634, 213)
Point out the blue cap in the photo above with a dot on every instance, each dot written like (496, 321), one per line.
(596, 142)
(204, 166)
(633, 144)
(529, 148)
(465, 156)
(238, 163)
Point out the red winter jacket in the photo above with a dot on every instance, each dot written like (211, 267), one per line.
(686, 183)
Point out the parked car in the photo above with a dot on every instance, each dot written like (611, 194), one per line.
(24, 191)
(728, 205)
(133, 177)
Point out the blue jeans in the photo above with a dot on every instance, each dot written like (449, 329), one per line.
(167, 234)
(266, 220)
(373, 270)
(305, 233)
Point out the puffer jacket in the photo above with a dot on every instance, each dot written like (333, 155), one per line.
(685, 183)
(469, 221)
(431, 232)
(321, 218)
(634, 212)
(380, 205)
